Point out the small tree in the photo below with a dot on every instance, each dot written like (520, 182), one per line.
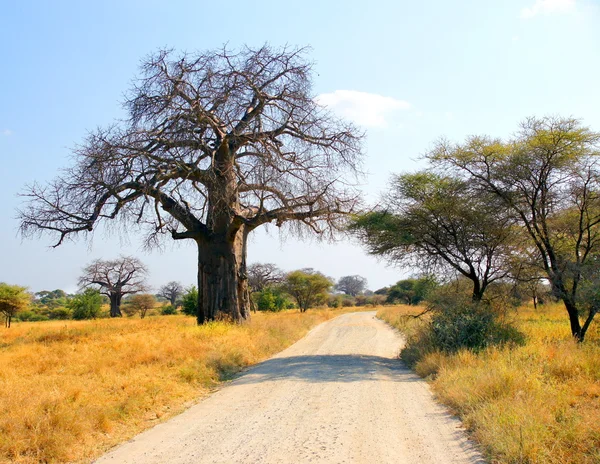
(141, 303)
(115, 279)
(12, 300)
(307, 287)
(171, 291)
(86, 305)
(351, 285)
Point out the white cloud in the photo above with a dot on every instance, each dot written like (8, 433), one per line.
(548, 7)
(6, 132)
(365, 109)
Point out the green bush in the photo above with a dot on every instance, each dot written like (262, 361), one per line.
(189, 302)
(168, 310)
(30, 316)
(458, 323)
(60, 313)
(86, 305)
(334, 301)
(271, 299)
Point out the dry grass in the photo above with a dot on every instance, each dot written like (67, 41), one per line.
(539, 403)
(70, 390)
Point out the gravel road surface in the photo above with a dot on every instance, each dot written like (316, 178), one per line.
(339, 395)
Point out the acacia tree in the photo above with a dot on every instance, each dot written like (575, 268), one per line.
(12, 300)
(215, 145)
(351, 285)
(307, 287)
(115, 279)
(141, 304)
(438, 223)
(549, 176)
(171, 292)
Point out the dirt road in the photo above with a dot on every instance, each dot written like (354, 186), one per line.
(337, 396)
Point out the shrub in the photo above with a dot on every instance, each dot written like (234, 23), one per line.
(86, 305)
(271, 299)
(348, 301)
(168, 310)
(60, 313)
(458, 322)
(377, 300)
(334, 301)
(31, 316)
(189, 302)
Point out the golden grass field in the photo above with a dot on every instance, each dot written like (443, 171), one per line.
(70, 390)
(537, 403)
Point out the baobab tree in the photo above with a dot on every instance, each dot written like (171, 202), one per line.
(171, 292)
(214, 145)
(261, 275)
(115, 279)
(351, 285)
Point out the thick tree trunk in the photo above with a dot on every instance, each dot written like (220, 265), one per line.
(222, 281)
(115, 305)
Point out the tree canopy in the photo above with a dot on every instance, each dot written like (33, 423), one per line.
(548, 177)
(13, 299)
(307, 287)
(440, 224)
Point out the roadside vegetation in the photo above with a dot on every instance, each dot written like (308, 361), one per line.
(532, 402)
(70, 390)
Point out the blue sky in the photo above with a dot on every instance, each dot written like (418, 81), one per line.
(407, 72)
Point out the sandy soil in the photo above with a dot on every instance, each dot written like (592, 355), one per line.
(337, 396)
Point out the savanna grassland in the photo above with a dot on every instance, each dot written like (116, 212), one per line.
(70, 390)
(536, 403)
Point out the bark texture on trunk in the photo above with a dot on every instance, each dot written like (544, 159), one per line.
(115, 305)
(222, 281)
(576, 331)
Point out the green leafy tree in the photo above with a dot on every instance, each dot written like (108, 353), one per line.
(548, 176)
(307, 287)
(86, 305)
(441, 225)
(411, 291)
(52, 299)
(12, 300)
